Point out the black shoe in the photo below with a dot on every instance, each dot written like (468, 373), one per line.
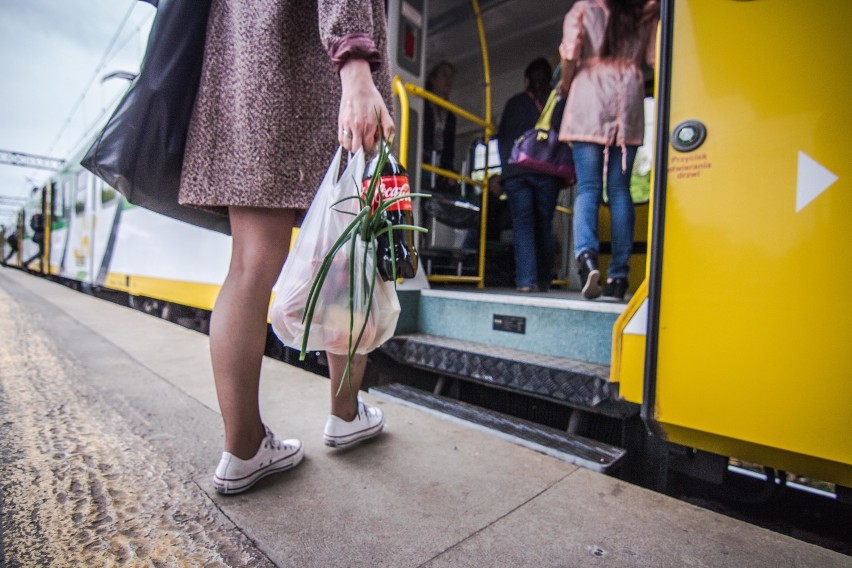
(615, 289)
(590, 276)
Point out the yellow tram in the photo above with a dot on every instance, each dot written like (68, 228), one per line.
(727, 348)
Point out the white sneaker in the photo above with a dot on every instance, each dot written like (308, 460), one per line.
(235, 475)
(368, 423)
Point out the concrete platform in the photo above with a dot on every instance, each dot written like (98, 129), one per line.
(429, 492)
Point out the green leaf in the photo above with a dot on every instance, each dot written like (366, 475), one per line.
(364, 229)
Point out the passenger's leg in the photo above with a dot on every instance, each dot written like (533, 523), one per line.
(545, 205)
(621, 211)
(342, 404)
(351, 421)
(261, 241)
(588, 161)
(519, 192)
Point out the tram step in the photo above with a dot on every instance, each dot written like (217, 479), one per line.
(571, 448)
(558, 379)
(559, 323)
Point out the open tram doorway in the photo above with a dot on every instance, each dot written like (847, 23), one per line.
(488, 43)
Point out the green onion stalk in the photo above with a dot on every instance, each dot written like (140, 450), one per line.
(364, 230)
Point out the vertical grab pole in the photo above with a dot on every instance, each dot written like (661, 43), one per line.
(489, 131)
(47, 218)
(399, 89)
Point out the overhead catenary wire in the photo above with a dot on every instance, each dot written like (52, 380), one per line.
(120, 39)
(107, 53)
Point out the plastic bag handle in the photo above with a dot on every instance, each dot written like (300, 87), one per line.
(334, 167)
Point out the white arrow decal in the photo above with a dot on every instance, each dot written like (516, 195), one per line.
(638, 324)
(812, 180)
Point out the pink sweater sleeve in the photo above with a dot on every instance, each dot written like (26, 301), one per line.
(651, 18)
(572, 34)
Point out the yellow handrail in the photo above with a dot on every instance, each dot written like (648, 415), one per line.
(399, 89)
(441, 102)
(489, 131)
(449, 174)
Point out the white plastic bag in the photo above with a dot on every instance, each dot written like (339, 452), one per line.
(334, 314)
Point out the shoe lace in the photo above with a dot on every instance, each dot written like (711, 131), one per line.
(368, 411)
(272, 442)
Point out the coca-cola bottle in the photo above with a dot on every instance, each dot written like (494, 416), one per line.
(394, 183)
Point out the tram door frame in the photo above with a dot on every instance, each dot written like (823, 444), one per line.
(408, 68)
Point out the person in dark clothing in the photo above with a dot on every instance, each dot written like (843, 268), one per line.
(439, 126)
(37, 225)
(532, 196)
(12, 241)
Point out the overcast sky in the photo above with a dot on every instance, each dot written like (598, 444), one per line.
(51, 64)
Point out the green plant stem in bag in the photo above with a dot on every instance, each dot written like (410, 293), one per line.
(362, 231)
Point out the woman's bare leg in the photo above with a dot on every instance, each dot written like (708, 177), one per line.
(261, 241)
(342, 405)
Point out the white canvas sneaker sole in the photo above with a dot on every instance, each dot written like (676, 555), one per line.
(349, 439)
(368, 424)
(229, 484)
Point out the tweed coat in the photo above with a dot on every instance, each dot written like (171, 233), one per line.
(264, 125)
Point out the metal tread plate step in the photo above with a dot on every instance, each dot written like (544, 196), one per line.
(575, 383)
(590, 454)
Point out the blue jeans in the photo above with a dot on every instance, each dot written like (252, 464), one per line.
(532, 201)
(589, 162)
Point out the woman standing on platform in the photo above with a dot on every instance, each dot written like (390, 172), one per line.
(604, 44)
(283, 83)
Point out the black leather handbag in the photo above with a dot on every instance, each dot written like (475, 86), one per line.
(140, 150)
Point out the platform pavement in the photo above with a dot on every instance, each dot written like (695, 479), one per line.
(428, 492)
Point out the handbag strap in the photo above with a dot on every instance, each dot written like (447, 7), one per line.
(546, 116)
(535, 101)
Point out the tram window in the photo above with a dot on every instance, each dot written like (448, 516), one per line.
(57, 198)
(66, 196)
(108, 194)
(478, 172)
(408, 51)
(409, 42)
(80, 194)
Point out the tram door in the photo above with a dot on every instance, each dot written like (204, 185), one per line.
(79, 261)
(753, 336)
(61, 204)
(514, 34)
(407, 29)
(32, 223)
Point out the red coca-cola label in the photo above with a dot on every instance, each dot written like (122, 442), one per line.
(392, 186)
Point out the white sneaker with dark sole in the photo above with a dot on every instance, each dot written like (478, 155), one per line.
(235, 475)
(368, 423)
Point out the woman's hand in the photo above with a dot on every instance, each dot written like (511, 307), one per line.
(362, 109)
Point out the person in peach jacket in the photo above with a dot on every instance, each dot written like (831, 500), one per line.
(605, 44)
